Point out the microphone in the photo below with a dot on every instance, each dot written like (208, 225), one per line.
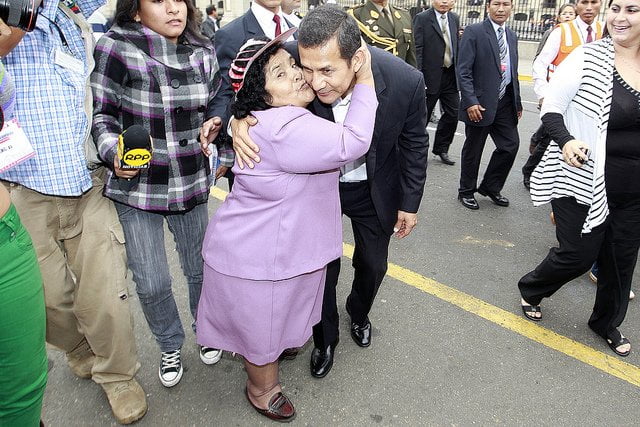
(135, 148)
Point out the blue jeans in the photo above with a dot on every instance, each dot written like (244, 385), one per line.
(144, 233)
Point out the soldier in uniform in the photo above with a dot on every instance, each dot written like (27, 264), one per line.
(387, 27)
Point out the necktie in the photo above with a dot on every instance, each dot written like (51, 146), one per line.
(502, 47)
(589, 34)
(387, 15)
(447, 43)
(276, 19)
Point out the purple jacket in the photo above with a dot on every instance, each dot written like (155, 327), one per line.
(283, 217)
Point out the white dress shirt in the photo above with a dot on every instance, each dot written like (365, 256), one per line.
(507, 63)
(550, 51)
(265, 20)
(355, 171)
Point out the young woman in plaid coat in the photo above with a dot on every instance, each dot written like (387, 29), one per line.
(153, 69)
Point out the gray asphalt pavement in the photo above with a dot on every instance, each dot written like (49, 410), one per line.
(430, 363)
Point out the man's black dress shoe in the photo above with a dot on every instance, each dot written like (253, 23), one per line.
(361, 334)
(468, 202)
(322, 361)
(444, 157)
(497, 198)
(526, 181)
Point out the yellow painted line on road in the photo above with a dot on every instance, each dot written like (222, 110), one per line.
(525, 78)
(516, 323)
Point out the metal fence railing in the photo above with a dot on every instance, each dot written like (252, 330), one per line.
(529, 18)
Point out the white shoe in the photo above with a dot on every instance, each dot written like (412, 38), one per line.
(631, 295)
(210, 355)
(170, 371)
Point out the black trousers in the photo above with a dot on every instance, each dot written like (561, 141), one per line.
(504, 132)
(613, 244)
(369, 263)
(450, 102)
(541, 140)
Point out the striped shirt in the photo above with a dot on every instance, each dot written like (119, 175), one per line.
(581, 91)
(50, 103)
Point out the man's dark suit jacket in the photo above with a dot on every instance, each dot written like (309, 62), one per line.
(478, 71)
(430, 46)
(208, 29)
(397, 158)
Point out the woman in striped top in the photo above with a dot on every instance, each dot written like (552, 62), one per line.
(588, 173)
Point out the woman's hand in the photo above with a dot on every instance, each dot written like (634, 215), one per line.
(123, 173)
(221, 171)
(364, 75)
(575, 153)
(208, 132)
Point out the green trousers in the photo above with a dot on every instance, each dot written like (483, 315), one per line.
(23, 356)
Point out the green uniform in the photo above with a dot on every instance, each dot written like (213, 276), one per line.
(378, 31)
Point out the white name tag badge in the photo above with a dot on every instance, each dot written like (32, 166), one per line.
(15, 147)
(68, 61)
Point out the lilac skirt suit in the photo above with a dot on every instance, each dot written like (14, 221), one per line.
(267, 246)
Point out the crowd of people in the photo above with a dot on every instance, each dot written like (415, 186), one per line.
(310, 119)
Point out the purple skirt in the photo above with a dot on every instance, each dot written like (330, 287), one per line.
(258, 318)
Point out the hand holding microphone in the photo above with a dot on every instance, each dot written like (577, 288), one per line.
(135, 149)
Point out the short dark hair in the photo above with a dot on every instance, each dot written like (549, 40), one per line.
(325, 22)
(126, 11)
(253, 95)
(210, 9)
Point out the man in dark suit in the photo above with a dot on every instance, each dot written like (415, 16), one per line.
(210, 24)
(436, 33)
(487, 73)
(380, 192)
(264, 18)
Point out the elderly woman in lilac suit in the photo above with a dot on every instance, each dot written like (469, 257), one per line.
(267, 246)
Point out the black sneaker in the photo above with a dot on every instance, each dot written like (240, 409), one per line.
(170, 371)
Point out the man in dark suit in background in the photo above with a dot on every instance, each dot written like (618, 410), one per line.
(487, 73)
(381, 191)
(210, 24)
(436, 33)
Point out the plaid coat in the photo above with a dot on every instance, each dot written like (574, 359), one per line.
(142, 78)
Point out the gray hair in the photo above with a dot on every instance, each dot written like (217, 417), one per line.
(325, 22)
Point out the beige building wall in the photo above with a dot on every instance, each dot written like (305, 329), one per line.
(232, 8)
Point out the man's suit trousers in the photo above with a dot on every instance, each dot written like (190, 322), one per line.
(450, 103)
(504, 132)
(369, 263)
